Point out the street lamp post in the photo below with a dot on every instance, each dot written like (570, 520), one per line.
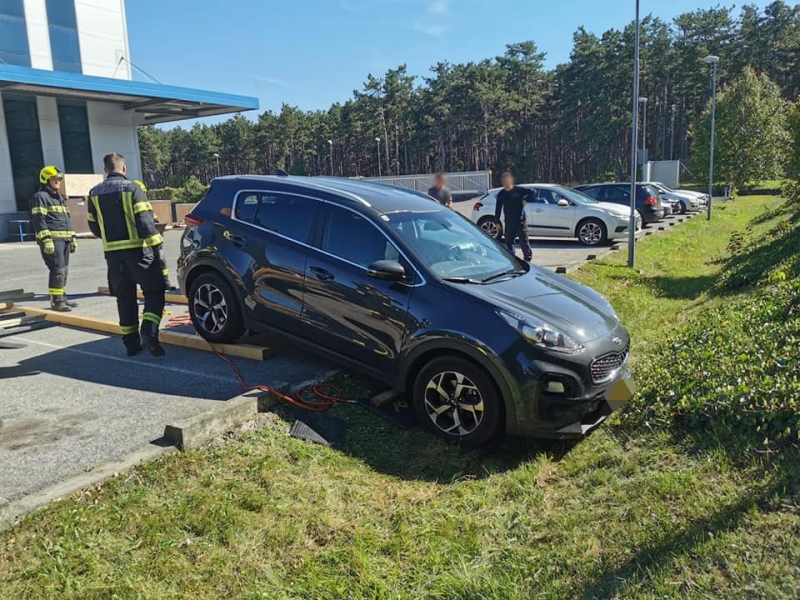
(330, 145)
(672, 135)
(713, 61)
(643, 101)
(216, 157)
(378, 145)
(634, 145)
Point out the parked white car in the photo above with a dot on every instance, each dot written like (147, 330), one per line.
(688, 200)
(559, 211)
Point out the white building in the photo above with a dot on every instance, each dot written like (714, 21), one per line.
(67, 97)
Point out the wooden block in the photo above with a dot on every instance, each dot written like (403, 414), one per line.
(23, 320)
(385, 398)
(26, 328)
(173, 338)
(172, 298)
(6, 305)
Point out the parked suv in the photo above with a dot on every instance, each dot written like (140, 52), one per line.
(411, 293)
(558, 211)
(648, 203)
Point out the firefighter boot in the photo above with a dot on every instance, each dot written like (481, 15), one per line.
(150, 341)
(133, 343)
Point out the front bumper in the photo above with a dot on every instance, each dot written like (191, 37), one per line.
(620, 227)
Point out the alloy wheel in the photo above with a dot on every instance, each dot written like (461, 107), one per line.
(210, 308)
(590, 233)
(491, 227)
(454, 403)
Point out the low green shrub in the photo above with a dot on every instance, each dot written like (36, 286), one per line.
(192, 191)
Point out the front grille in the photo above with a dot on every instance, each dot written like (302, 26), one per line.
(604, 366)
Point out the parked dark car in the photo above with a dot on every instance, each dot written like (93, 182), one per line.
(411, 293)
(650, 206)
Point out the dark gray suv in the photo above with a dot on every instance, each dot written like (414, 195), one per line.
(411, 293)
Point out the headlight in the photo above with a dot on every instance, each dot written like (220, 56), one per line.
(620, 216)
(540, 333)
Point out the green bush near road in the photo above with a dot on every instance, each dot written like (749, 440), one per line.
(682, 498)
(193, 191)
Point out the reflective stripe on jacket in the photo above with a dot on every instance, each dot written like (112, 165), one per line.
(50, 215)
(120, 214)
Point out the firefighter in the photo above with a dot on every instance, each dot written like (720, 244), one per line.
(162, 257)
(54, 234)
(121, 216)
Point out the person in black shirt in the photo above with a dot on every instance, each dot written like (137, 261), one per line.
(440, 192)
(511, 201)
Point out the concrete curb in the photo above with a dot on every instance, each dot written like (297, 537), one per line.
(12, 511)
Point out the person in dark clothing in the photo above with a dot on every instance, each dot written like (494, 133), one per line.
(54, 234)
(120, 214)
(440, 191)
(511, 201)
(162, 257)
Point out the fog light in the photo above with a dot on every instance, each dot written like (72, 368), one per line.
(555, 387)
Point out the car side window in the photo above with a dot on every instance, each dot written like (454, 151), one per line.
(353, 238)
(247, 207)
(622, 193)
(290, 216)
(541, 197)
(594, 192)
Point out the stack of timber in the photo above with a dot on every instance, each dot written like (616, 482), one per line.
(13, 321)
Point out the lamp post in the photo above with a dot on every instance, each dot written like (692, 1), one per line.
(713, 61)
(672, 135)
(216, 157)
(330, 145)
(634, 144)
(378, 145)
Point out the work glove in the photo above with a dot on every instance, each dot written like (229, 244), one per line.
(73, 245)
(48, 246)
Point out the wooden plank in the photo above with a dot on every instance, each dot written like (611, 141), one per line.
(12, 292)
(6, 305)
(173, 338)
(169, 297)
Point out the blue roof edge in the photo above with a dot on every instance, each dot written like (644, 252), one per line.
(88, 83)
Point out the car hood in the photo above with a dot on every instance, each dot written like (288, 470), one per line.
(571, 308)
(610, 206)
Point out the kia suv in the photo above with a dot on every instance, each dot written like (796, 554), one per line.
(411, 293)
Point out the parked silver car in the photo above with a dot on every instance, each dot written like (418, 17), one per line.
(559, 211)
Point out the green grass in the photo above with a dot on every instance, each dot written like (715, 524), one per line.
(656, 506)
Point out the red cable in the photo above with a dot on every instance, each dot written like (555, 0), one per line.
(316, 398)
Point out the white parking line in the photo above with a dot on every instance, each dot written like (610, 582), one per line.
(135, 363)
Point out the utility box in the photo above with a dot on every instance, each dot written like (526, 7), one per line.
(665, 171)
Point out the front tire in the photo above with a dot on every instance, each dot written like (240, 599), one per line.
(492, 227)
(683, 208)
(591, 232)
(215, 309)
(457, 400)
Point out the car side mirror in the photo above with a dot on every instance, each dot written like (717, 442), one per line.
(387, 270)
(563, 203)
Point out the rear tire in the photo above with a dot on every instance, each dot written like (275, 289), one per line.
(458, 401)
(591, 232)
(215, 309)
(684, 209)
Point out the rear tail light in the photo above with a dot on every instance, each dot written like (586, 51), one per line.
(478, 206)
(651, 201)
(194, 221)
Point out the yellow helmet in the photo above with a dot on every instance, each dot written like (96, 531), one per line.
(48, 173)
(141, 185)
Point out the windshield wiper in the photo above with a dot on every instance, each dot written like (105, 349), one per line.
(503, 274)
(462, 280)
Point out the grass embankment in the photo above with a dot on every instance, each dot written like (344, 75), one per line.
(683, 499)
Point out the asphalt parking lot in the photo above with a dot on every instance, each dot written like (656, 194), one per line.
(71, 399)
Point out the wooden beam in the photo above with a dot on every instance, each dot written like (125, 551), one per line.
(6, 305)
(17, 321)
(173, 338)
(172, 298)
(15, 295)
(26, 328)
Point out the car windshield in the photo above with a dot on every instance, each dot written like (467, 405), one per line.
(576, 196)
(663, 187)
(451, 246)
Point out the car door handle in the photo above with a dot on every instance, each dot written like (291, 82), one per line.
(322, 274)
(238, 240)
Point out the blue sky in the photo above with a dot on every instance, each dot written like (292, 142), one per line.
(312, 53)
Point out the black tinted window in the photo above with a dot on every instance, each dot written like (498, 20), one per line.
(291, 216)
(247, 207)
(351, 237)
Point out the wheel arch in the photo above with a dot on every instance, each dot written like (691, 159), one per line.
(412, 365)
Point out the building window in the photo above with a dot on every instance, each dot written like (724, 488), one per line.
(75, 140)
(14, 49)
(25, 144)
(64, 35)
